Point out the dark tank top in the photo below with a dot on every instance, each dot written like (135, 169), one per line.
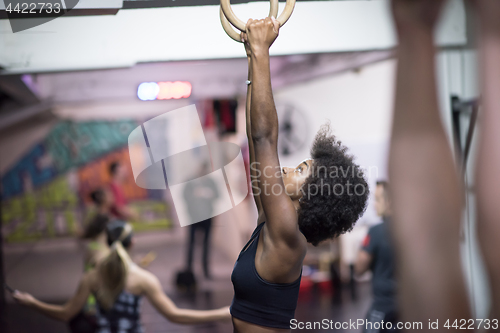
(257, 301)
(123, 317)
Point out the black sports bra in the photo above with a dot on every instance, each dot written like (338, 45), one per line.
(257, 301)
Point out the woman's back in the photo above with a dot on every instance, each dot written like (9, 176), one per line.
(123, 317)
(124, 314)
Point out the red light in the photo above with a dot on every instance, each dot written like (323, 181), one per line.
(175, 90)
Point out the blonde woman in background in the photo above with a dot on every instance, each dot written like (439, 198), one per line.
(97, 247)
(118, 285)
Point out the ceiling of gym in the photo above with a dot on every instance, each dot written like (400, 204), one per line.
(131, 4)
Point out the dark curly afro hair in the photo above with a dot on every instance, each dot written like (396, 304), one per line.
(336, 192)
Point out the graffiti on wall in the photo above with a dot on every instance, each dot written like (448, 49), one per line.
(46, 193)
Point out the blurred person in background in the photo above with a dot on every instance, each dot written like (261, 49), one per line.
(118, 174)
(118, 286)
(95, 230)
(201, 197)
(377, 255)
(96, 249)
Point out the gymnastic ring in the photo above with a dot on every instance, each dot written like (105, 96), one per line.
(273, 11)
(287, 12)
(228, 28)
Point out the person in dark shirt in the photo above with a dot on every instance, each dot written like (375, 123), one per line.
(200, 198)
(377, 255)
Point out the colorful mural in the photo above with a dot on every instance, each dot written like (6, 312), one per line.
(46, 193)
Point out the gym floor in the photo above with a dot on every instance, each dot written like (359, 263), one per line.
(50, 270)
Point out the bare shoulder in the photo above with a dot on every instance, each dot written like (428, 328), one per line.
(143, 278)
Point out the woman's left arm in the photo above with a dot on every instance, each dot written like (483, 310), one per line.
(60, 312)
(281, 218)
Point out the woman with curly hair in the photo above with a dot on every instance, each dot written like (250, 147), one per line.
(319, 199)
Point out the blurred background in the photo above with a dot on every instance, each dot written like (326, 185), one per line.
(73, 89)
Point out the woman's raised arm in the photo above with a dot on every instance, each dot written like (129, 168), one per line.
(281, 218)
(251, 151)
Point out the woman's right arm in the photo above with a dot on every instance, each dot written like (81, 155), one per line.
(169, 310)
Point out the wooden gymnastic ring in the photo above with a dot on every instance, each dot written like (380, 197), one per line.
(228, 28)
(240, 25)
(273, 11)
(287, 12)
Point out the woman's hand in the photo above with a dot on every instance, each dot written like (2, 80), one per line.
(411, 15)
(23, 298)
(261, 34)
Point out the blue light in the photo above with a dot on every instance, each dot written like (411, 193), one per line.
(147, 91)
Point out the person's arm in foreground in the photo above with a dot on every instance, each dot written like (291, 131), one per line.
(488, 164)
(426, 191)
(60, 312)
(169, 310)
